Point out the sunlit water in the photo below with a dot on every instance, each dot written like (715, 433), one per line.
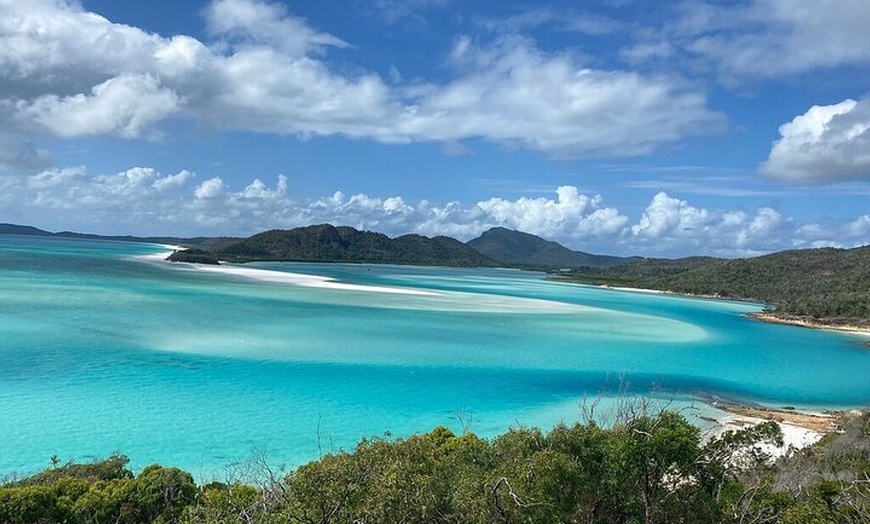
(101, 351)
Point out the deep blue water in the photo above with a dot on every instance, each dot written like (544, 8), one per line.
(101, 352)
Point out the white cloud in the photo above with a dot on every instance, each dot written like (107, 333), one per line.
(857, 230)
(571, 215)
(69, 72)
(513, 94)
(173, 181)
(770, 38)
(825, 144)
(55, 177)
(126, 105)
(54, 46)
(670, 217)
(209, 188)
(257, 189)
(142, 200)
(671, 225)
(266, 24)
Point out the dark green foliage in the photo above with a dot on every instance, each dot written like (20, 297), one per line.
(194, 256)
(648, 468)
(515, 248)
(326, 243)
(828, 285)
(100, 492)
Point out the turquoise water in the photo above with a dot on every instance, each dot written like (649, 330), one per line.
(101, 351)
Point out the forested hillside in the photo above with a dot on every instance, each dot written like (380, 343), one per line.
(649, 468)
(327, 243)
(826, 285)
(515, 248)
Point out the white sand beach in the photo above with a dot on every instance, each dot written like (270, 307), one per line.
(282, 277)
(635, 289)
(300, 279)
(435, 300)
(793, 436)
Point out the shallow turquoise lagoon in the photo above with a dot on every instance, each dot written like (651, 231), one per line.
(103, 351)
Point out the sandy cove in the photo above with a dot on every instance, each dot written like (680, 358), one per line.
(799, 428)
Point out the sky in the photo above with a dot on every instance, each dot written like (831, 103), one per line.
(628, 127)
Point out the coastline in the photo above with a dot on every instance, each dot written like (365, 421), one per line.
(845, 328)
(282, 277)
(800, 429)
(759, 316)
(822, 422)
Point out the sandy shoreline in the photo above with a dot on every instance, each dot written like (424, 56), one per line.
(773, 319)
(760, 315)
(799, 428)
(634, 289)
(281, 277)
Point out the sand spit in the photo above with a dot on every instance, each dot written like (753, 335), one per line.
(282, 277)
(773, 319)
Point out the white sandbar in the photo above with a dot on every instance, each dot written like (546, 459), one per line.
(635, 289)
(282, 277)
(301, 279)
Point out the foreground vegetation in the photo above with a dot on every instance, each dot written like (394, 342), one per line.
(644, 469)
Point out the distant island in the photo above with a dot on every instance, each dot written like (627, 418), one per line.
(823, 287)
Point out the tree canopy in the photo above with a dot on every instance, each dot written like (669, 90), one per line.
(648, 468)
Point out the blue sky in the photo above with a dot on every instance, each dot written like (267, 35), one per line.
(728, 128)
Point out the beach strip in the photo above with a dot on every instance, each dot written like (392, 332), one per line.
(282, 277)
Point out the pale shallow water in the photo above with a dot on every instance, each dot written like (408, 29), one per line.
(101, 351)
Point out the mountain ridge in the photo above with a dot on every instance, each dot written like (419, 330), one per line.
(516, 248)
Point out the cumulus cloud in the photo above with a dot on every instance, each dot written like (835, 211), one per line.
(825, 144)
(68, 72)
(126, 105)
(142, 200)
(209, 188)
(670, 224)
(571, 215)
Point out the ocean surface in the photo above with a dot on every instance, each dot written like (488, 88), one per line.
(102, 351)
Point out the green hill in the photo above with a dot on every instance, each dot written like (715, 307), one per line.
(327, 243)
(14, 229)
(825, 285)
(515, 248)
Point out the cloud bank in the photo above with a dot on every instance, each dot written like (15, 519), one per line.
(72, 73)
(143, 201)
